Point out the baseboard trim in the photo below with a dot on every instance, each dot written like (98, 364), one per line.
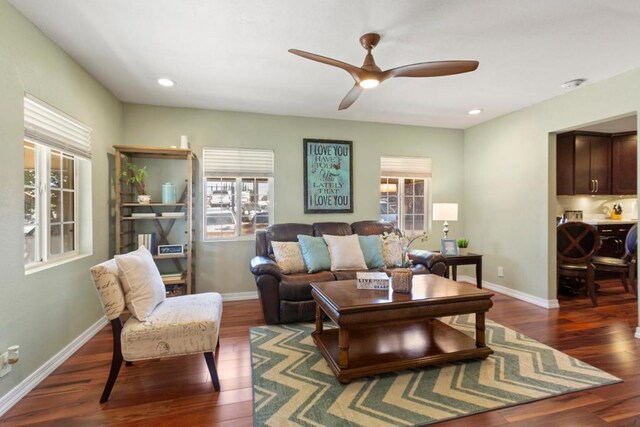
(239, 296)
(25, 386)
(523, 296)
(638, 332)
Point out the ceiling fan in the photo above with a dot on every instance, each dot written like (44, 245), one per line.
(370, 75)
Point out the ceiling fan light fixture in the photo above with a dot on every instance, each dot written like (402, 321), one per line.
(166, 82)
(369, 83)
(474, 111)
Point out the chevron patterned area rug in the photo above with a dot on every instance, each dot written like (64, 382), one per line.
(293, 385)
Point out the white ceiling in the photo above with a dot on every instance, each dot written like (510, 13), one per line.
(232, 55)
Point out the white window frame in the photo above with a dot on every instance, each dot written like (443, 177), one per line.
(238, 214)
(43, 203)
(401, 205)
(51, 130)
(238, 177)
(404, 168)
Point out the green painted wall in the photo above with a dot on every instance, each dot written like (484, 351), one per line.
(45, 311)
(224, 266)
(509, 182)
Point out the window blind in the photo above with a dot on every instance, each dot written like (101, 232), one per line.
(405, 167)
(237, 162)
(47, 125)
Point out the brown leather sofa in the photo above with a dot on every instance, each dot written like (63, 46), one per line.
(287, 298)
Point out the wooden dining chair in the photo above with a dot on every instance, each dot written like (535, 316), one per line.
(625, 266)
(577, 244)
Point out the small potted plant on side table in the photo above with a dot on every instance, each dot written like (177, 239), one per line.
(463, 244)
(136, 175)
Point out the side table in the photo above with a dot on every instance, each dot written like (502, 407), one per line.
(453, 261)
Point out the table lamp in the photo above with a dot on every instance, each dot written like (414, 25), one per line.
(445, 212)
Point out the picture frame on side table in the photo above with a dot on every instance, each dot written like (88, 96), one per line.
(448, 247)
(328, 176)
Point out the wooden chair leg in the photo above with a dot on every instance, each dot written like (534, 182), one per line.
(211, 364)
(623, 278)
(116, 359)
(632, 277)
(591, 286)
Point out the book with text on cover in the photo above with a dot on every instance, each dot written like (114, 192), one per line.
(372, 280)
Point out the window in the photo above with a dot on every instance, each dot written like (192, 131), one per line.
(238, 192)
(56, 159)
(404, 184)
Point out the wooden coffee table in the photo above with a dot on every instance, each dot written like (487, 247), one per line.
(384, 331)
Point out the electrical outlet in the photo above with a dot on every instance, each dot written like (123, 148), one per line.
(500, 271)
(5, 368)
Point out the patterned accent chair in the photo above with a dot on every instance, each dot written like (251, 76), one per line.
(179, 326)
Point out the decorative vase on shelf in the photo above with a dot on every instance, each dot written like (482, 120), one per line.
(401, 280)
(168, 193)
(144, 199)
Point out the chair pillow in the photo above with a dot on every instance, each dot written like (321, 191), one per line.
(315, 253)
(345, 252)
(372, 250)
(392, 251)
(289, 257)
(141, 282)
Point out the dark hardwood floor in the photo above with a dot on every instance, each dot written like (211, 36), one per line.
(178, 391)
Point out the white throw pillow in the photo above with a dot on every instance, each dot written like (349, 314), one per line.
(289, 257)
(141, 282)
(392, 251)
(345, 252)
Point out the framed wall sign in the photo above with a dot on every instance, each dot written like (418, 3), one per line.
(328, 176)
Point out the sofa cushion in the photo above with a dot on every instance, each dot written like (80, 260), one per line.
(392, 251)
(315, 253)
(345, 252)
(368, 228)
(347, 274)
(331, 228)
(372, 250)
(286, 233)
(182, 325)
(289, 257)
(297, 287)
(141, 282)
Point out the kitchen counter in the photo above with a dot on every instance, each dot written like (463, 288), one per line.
(610, 221)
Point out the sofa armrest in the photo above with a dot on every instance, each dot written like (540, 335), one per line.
(264, 265)
(433, 261)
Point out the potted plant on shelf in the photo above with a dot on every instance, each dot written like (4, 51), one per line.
(463, 244)
(136, 175)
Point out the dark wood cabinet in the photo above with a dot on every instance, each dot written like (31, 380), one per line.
(583, 164)
(625, 163)
(612, 238)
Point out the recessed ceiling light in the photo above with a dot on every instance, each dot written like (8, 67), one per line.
(166, 82)
(572, 83)
(474, 111)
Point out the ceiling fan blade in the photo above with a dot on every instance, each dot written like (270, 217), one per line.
(351, 97)
(351, 69)
(431, 69)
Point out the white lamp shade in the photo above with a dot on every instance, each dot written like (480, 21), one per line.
(445, 211)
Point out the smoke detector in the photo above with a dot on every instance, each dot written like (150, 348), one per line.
(572, 83)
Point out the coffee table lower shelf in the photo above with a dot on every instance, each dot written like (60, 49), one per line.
(377, 349)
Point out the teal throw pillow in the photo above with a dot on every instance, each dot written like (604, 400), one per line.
(315, 253)
(372, 250)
